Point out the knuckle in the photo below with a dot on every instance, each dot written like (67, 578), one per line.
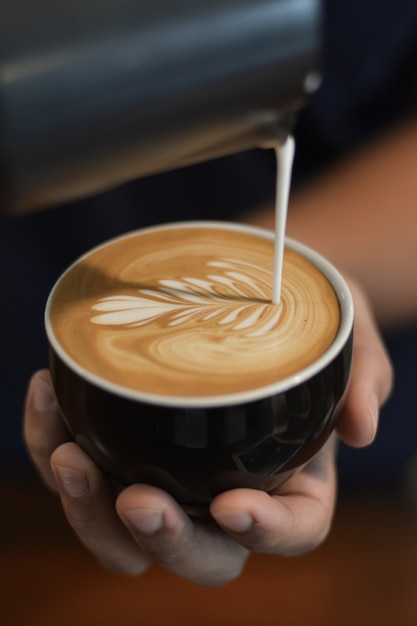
(173, 549)
(171, 556)
(35, 441)
(83, 523)
(309, 543)
(297, 536)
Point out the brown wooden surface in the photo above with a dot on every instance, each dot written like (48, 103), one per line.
(364, 575)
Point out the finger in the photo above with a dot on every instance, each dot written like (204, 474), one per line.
(88, 499)
(293, 521)
(196, 549)
(43, 426)
(371, 379)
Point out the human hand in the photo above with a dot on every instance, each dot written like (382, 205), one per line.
(371, 376)
(141, 524)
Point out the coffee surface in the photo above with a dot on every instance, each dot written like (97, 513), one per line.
(186, 311)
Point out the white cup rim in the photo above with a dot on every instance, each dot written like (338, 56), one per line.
(243, 397)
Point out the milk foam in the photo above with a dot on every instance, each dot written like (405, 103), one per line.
(179, 301)
(187, 311)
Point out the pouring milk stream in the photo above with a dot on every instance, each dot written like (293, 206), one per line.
(285, 158)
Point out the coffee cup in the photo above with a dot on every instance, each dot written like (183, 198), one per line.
(172, 367)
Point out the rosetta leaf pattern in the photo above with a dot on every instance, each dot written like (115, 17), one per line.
(244, 307)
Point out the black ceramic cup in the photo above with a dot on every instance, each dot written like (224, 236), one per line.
(196, 447)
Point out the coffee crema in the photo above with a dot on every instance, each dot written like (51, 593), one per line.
(186, 312)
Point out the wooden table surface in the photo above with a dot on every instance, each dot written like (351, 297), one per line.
(364, 575)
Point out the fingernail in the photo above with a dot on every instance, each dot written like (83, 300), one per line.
(43, 396)
(146, 521)
(374, 411)
(74, 483)
(235, 521)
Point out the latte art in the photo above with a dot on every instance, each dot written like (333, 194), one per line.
(186, 311)
(245, 307)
